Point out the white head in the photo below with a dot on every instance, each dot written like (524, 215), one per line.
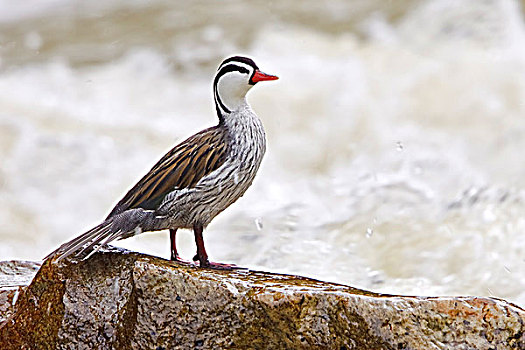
(235, 77)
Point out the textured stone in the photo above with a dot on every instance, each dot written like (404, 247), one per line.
(120, 300)
(14, 278)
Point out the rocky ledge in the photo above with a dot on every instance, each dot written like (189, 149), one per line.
(123, 300)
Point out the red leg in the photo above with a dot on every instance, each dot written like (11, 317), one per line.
(202, 256)
(174, 254)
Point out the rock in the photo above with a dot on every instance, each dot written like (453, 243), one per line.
(14, 278)
(122, 300)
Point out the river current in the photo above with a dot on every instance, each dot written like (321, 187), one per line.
(396, 133)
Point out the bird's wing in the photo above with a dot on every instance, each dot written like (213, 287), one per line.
(182, 167)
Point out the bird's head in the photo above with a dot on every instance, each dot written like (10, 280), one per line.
(235, 77)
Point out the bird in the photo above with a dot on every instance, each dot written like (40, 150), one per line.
(196, 180)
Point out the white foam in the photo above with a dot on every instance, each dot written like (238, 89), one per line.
(445, 210)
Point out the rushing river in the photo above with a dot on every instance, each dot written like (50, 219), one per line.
(396, 134)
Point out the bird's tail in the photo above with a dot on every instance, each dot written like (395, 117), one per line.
(120, 226)
(91, 242)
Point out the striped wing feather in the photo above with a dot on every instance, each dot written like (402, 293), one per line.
(182, 167)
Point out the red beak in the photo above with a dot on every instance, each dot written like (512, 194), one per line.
(260, 76)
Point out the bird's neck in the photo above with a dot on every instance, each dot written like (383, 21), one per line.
(242, 123)
(235, 108)
(229, 96)
(245, 133)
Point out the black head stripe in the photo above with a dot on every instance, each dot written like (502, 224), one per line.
(224, 70)
(240, 59)
(227, 66)
(231, 68)
(218, 101)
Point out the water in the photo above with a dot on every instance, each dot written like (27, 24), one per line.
(395, 134)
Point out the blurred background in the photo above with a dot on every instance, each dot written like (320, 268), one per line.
(396, 133)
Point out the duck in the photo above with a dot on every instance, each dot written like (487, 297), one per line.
(196, 180)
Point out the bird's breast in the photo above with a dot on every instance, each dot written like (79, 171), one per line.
(222, 187)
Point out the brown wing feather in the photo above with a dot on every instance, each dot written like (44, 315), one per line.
(182, 167)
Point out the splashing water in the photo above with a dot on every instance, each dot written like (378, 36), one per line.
(258, 224)
(83, 116)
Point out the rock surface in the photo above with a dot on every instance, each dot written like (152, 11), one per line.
(15, 276)
(121, 300)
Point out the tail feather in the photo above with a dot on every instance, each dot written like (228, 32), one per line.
(84, 242)
(95, 246)
(119, 226)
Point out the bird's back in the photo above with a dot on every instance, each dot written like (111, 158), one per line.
(182, 167)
